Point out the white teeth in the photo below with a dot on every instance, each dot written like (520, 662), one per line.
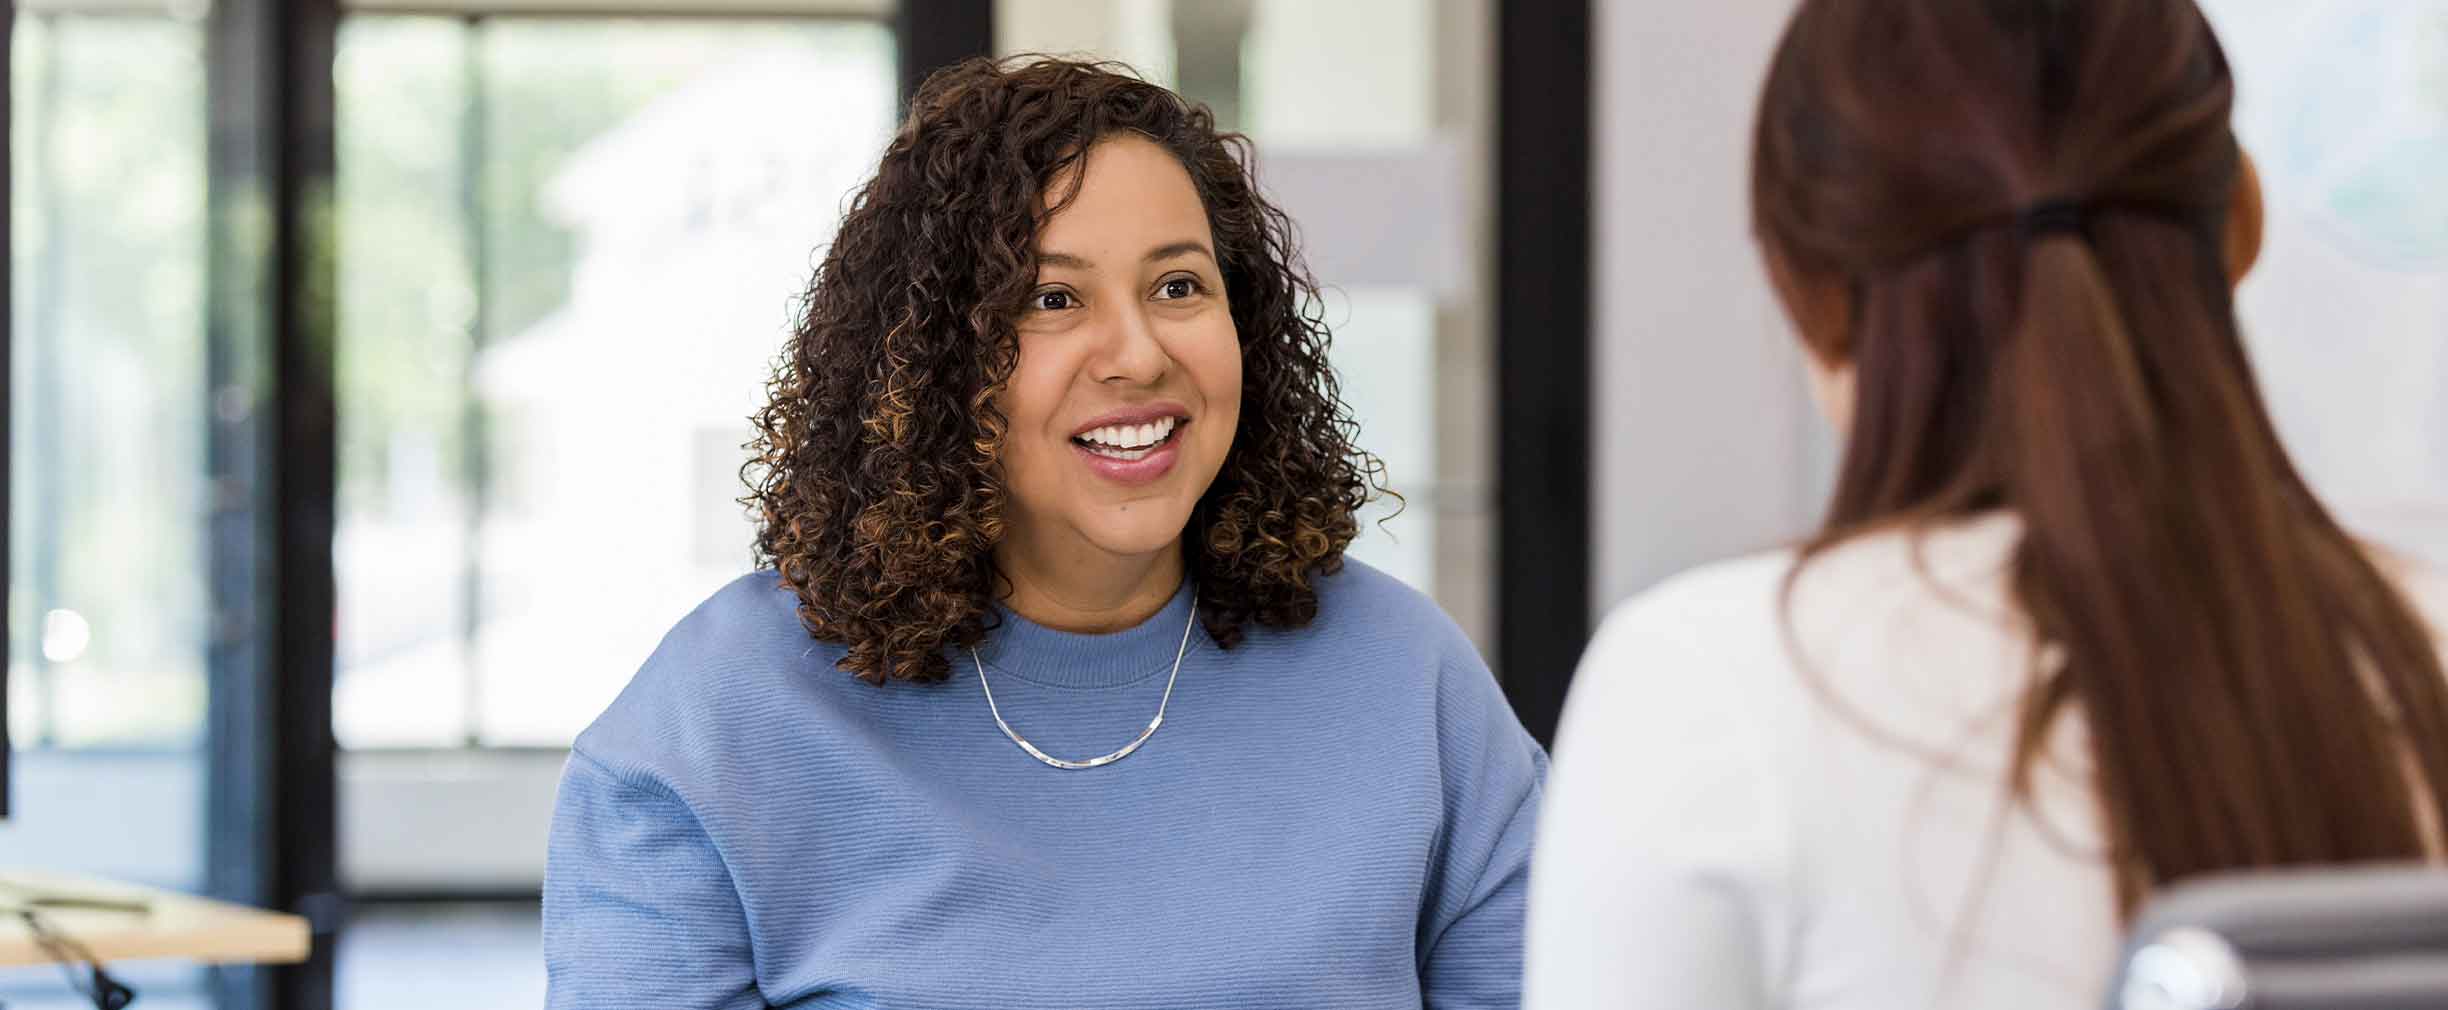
(1133, 438)
(1125, 455)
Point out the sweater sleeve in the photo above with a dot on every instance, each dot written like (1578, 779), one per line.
(639, 909)
(1662, 874)
(1471, 929)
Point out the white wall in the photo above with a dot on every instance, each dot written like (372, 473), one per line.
(2341, 105)
(1705, 441)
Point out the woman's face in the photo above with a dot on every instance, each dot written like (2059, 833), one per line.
(1128, 386)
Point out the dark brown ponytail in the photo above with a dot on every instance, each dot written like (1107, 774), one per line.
(2258, 693)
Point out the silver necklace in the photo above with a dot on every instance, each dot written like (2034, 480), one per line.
(1103, 759)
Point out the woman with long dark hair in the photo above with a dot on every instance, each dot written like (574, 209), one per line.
(1057, 690)
(2074, 627)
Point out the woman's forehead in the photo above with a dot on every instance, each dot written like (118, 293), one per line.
(1126, 197)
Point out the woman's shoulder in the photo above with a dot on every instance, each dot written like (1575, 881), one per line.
(1726, 610)
(1739, 589)
(1359, 590)
(755, 613)
(721, 668)
(1364, 608)
(1375, 626)
(1862, 609)
(749, 626)
(1694, 643)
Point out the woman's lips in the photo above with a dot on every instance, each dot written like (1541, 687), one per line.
(1134, 467)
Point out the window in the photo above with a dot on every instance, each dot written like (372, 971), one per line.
(108, 591)
(108, 608)
(569, 246)
(569, 249)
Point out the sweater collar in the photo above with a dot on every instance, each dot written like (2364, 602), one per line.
(1032, 651)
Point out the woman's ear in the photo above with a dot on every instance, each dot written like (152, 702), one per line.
(1820, 307)
(1833, 390)
(2241, 246)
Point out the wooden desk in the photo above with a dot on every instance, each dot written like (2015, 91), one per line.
(175, 926)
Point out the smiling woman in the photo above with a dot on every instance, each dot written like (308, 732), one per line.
(1058, 419)
(1126, 394)
(1047, 249)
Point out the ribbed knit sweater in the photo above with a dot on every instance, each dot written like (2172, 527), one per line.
(1336, 815)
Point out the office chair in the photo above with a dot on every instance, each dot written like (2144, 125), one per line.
(2331, 939)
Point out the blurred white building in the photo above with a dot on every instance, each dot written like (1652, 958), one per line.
(618, 421)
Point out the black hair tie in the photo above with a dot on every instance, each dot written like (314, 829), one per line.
(2049, 217)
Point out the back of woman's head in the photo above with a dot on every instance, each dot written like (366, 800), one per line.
(2012, 220)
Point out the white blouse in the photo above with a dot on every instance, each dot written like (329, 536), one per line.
(1726, 828)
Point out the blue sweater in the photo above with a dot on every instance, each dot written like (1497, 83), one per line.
(1332, 816)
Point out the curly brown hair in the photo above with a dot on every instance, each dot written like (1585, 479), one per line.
(876, 470)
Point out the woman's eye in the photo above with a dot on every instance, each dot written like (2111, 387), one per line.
(1178, 287)
(1053, 301)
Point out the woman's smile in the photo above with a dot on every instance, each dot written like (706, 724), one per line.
(1133, 446)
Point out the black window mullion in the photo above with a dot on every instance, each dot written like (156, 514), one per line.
(930, 35)
(270, 454)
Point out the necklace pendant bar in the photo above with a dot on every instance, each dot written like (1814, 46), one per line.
(1103, 759)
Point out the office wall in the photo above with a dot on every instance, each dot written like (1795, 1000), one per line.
(1705, 441)
(2344, 107)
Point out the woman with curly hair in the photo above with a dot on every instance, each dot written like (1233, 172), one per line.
(1058, 691)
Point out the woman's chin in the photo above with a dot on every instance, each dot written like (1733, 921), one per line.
(1137, 535)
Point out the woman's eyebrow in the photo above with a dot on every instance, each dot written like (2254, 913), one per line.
(1169, 250)
(1185, 247)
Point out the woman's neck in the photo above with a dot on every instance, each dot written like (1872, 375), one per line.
(1088, 591)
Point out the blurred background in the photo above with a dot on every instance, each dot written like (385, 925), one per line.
(363, 357)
